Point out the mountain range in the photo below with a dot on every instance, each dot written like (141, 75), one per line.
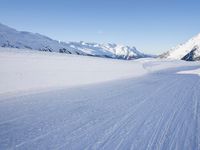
(10, 37)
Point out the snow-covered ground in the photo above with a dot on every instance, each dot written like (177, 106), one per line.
(26, 70)
(55, 101)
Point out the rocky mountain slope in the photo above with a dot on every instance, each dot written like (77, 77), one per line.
(189, 51)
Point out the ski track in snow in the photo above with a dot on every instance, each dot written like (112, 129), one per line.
(155, 112)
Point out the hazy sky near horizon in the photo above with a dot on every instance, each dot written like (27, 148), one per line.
(153, 26)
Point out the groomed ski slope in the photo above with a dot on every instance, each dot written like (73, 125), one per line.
(157, 106)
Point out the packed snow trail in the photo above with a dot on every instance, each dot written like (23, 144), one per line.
(155, 112)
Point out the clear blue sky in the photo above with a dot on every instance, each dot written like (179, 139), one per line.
(153, 26)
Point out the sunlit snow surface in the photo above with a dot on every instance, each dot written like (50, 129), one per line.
(54, 101)
(195, 71)
(25, 70)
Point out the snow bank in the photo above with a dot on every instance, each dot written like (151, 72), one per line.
(196, 71)
(22, 70)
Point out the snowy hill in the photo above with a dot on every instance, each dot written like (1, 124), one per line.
(189, 51)
(10, 37)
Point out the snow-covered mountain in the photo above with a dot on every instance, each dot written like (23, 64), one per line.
(189, 51)
(10, 37)
(107, 50)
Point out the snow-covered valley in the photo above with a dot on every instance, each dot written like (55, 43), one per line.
(56, 101)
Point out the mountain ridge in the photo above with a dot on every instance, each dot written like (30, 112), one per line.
(10, 37)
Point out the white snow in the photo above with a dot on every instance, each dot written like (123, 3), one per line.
(96, 103)
(25, 70)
